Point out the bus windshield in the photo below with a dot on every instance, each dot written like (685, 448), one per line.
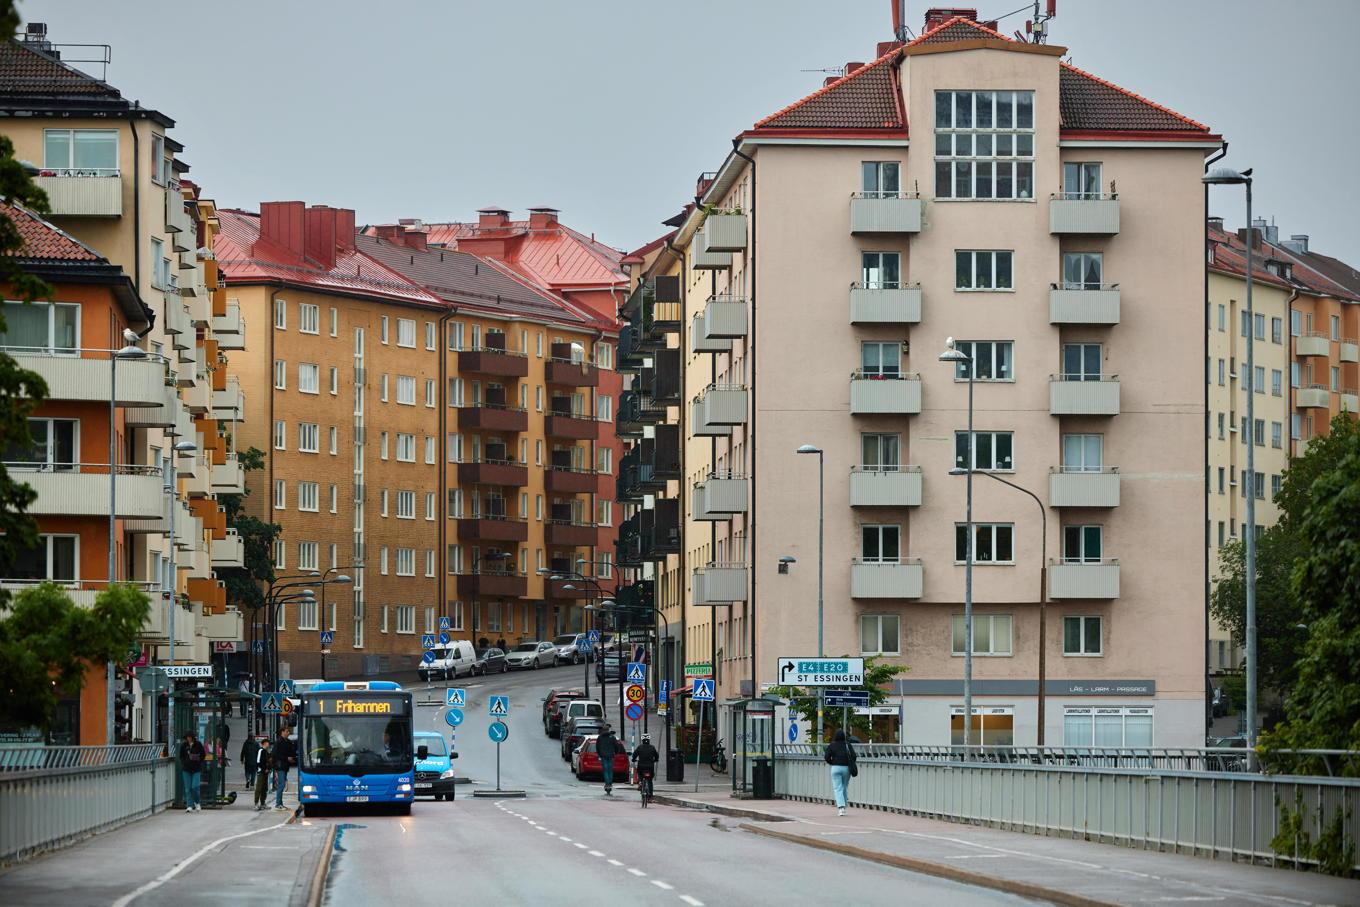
(342, 733)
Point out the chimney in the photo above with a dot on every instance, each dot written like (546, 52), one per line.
(415, 239)
(1297, 243)
(1216, 223)
(1269, 231)
(830, 79)
(318, 231)
(389, 232)
(344, 229)
(887, 47)
(281, 230)
(542, 218)
(939, 15)
(1252, 235)
(490, 218)
(853, 67)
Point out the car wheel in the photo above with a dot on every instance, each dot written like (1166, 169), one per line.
(535, 664)
(505, 667)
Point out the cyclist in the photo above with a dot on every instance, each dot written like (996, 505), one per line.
(646, 758)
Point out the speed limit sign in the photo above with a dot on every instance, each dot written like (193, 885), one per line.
(635, 692)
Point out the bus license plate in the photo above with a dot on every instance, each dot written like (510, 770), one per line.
(360, 799)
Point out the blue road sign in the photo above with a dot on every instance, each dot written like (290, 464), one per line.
(499, 707)
(428, 658)
(455, 697)
(498, 732)
(582, 643)
(793, 732)
(637, 672)
(444, 639)
(258, 646)
(664, 694)
(633, 712)
(327, 637)
(427, 641)
(847, 698)
(445, 624)
(286, 687)
(703, 689)
(594, 636)
(271, 703)
(454, 717)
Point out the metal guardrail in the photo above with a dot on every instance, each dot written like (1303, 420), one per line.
(37, 757)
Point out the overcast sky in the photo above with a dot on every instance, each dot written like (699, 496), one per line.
(608, 109)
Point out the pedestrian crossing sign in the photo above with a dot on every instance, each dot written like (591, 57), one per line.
(271, 703)
(427, 641)
(445, 624)
(500, 706)
(455, 698)
(703, 689)
(637, 672)
(286, 687)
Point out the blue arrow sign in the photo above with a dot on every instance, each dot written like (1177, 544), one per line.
(427, 641)
(664, 694)
(445, 624)
(455, 697)
(499, 707)
(637, 672)
(454, 717)
(793, 732)
(327, 637)
(271, 703)
(703, 689)
(498, 732)
(286, 687)
(428, 658)
(444, 639)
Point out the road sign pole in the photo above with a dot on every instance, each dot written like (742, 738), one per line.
(699, 745)
(498, 765)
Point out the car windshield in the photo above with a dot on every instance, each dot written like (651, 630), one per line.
(526, 647)
(490, 653)
(434, 744)
(567, 640)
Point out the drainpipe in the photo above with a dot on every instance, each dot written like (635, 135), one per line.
(441, 402)
(268, 514)
(751, 442)
(684, 627)
(1208, 580)
(1288, 329)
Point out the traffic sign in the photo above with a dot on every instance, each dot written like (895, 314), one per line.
(499, 731)
(271, 703)
(428, 658)
(445, 624)
(257, 646)
(220, 647)
(455, 697)
(594, 636)
(851, 698)
(820, 672)
(663, 695)
(499, 707)
(637, 672)
(582, 643)
(703, 689)
(327, 637)
(633, 712)
(427, 641)
(635, 692)
(444, 639)
(793, 732)
(286, 687)
(699, 669)
(454, 717)
(287, 708)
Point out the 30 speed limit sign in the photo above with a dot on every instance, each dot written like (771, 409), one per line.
(635, 692)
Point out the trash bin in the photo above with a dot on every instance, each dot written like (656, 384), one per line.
(762, 779)
(675, 766)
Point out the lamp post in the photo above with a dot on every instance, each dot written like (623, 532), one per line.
(821, 566)
(180, 448)
(1043, 589)
(1226, 176)
(957, 357)
(127, 352)
(325, 614)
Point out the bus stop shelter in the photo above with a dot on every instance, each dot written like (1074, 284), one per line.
(752, 732)
(204, 710)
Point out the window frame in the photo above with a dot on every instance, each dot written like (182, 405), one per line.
(878, 622)
(973, 259)
(994, 350)
(1083, 620)
(957, 629)
(994, 532)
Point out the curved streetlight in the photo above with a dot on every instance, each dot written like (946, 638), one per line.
(956, 357)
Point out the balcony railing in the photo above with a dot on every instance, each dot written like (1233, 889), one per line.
(720, 496)
(493, 361)
(1083, 395)
(724, 318)
(83, 193)
(718, 584)
(885, 303)
(726, 232)
(230, 551)
(1315, 396)
(877, 393)
(570, 533)
(82, 592)
(903, 578)
(82, 489)
(570, 480)
(1350, 400)
(493, 417)
(572, 373)
(1083, 487)
(490, 471)
(82, 374)
(1097, 579)
(703, 258)
(502, 584)
(1312, 343)
(570, 425)
(1083, 213)
(1090, 303)
(1349, 350)
(885, 212)
(493, 528)
(885, 486)
(701, 342)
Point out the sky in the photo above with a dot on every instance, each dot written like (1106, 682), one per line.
(609, 109)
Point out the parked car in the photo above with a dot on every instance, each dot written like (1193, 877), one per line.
(434, 766)
(531, 655)
(574, 733)
(450, 662)
(490, 661)
(611, 666)
(552, 705)
(586, 762)
(568, 651)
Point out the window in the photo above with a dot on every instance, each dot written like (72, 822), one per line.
(1081, 180)
(406, 505)
(1336, 378)
(992, 360)
(1276, 434)
(330, 437)
(54, 327)
(880, 270)
(604, 460)
(1081, 544)
(1221, 420)
(992, 726)
(406, 333)
(604, 408)
(991, 634)
(603, 356)
(82, 152)
(538, 507)
(429, 449)
(538, 398)
(308, 435)
(406, 562)
(993, 543)
(881, 359)
(429, 505)
(1258, 381)
(280, 375)
(881, 179)
(880, 544)
(280, 549)
(1222, 373)
(991, 450)
(382, 388)
(429, 335)
(604, 513)
(1294, 427)
(1222, 317)
(280, 435)
(429, 392)
(382, 502)
(1222, 475)
(1081, 362)
(1260, 321)
(54, 446)
(880, 452)
(1276, 378)
(984, 144)
(1293, 374)
(1275, 481)
(309, 318)
(406, 618)
(55, 557)
(406, 390)
(383, 329)
(1082, 453)
(454, 447)
(982, 270)
(1081, 636)
(159, 170)
(1259, 433)
(1276, 329)
(429, 562)
(1107, 726)
(1295, 322)
(307, 496)
(406, 448)
(335, 320)
(1335, 321)
(1082, 270)
(878, 634)
(280, 314)
(382, 445)
(332, 509)
(280, 494)
(308, 556)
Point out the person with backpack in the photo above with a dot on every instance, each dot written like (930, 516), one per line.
(191, 758)
(607, 746)
(840, 755)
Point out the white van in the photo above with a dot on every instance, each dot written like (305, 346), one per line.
(451, 661)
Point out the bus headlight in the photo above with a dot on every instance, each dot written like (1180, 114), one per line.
(446, 775)
(308, 789)
(403, 787)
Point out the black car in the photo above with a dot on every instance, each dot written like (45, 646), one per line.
(490, 661)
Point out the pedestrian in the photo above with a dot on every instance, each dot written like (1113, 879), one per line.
(249, 747)
(262, 762)
(840, 755)
(606, 746)
(284, 756)
(244, 687)
(191, 756)
(224, 732)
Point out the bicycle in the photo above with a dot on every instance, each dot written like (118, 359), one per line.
(645, 786)
(718, 760)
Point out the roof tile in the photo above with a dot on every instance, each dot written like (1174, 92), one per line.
(45, 242)
(25, 72)
(867, 98)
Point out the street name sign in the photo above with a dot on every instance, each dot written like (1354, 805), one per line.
(852, 698)
(703, 690)
(499, 706)
(188, 672)
(819, 672)
(637, 672)
(455, 697)
(700, 669)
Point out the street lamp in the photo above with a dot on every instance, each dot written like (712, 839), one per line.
(1226, 176)
(325, 613)
(181, 448)
(821, 564)
(957, 357)
(128, 352)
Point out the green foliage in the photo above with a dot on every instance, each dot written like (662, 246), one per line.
(1279, 638)
(1333, 851)
(47, 643)
(803, 700)
(257, 537)
(1323, 456)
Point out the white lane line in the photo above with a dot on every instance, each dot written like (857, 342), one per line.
(613, 862)
(637, 872)
(579, 844)
(596, 853)
(692, 902)
(660, 884)
(565, 838)
(184, 864)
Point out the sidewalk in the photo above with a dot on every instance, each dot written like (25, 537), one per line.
(1060, 870)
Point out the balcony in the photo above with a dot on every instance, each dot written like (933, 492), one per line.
(228, 477)
(652, 311)
(1076, 487)
(886, 579)
(703, 258)
(490, 360)
(229, 404)
(885, 304)
(571, 426)
(213, 517)
(493, 528)
(569, 533)
(490, 417)
(570, 480)
(700, 342)
(1314, 397)
(719, 584)
(82, 592)
(885, 394)
(1076, 397)
(724, 318)
(83, 196)
(493, 471)
(877, 486)
(162, 416)
(661, 380)
(82, 489)
(720, 496)
(724, 404)
(227, 626)
(179, 226)
(1349, 351)
(885, 212)
(1084, 214)
(1312, 343)
(490, 584)
(210, 593)
(230, 328)
(1088, 580)
(1088, 304)
(141, 382)
(1350, 400)
(725, 232)
(230, 551)
(568, 368)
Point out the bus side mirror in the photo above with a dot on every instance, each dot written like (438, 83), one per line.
(422, 752)
(453, 754)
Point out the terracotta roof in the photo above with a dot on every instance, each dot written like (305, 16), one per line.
(1334, 269)
(1230, 257)
(867, 98)
(45, 242)
(1089, 102)
(26, 71)
(959, 28)
(354, 274)
(556, 257)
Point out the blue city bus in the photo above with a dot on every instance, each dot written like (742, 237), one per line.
(355, 745)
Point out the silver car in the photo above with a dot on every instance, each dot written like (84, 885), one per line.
(531, 655)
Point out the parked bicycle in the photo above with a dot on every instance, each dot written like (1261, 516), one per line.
(718, 761)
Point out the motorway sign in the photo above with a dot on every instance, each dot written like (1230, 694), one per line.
(633, 712)
(852, 698)
(327, 637)
(445, 624)
(637, 672)
(427, 641)
(663, 695)
(454, 717)
(703, 689)
(635, 692)
(271, 703)
(286, 687)
(499, 707)
(820, 672)
(699, 669)
(445, 639)
(499, 731)
(455, 697)
(428, 658)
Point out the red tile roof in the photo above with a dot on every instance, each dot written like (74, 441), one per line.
(868, 98)
(1088, 102)
(959, 28)
(25, 71)
(354, 274)
(45, 242)
(557, 257)
(1230, 257)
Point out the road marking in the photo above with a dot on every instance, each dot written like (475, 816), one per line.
(596, 853)
(637, 872)
(613, 862)
(565, 838)
(579, 844)
(692, 902)
(660, 884)
(184, 864)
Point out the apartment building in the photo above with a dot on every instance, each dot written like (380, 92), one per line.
(117, 188)
(1050, 223)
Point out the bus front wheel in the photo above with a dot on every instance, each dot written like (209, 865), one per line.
(404, 809)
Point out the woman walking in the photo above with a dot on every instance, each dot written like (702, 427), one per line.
(840, 755)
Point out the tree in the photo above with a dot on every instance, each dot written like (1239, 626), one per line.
(803, 700)
(243, 584)
(48, 644)
(1279, 638)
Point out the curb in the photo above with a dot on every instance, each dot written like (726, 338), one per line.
(940, 870)
(733, 811)
(323, 868)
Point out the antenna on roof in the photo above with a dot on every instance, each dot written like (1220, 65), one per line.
(1037, 28)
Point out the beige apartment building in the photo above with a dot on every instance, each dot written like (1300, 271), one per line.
(1051, 223)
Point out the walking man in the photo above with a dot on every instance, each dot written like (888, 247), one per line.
(191, 756)
(261, 763)
(249, 747)
(284, 755)
(244, 687)
(607, 745)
